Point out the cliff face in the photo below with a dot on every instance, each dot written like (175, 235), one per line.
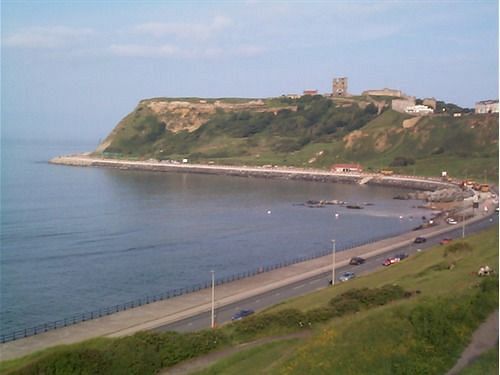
(310, 131)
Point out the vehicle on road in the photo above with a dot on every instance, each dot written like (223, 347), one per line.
(356, 261)
(451, 221)
(347, 276)
(394, 259)
(445, 241)
(420, 240)
(242, 314)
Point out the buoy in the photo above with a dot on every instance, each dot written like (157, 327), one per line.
(400, 217)
(336, 215)
(269, 212)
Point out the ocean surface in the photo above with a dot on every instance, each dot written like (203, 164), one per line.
(79, 239)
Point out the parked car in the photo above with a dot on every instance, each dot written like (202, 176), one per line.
(445, 241)
(347, 276)
(241, 314)
(420, 240)
(356, 261)
(451, 221)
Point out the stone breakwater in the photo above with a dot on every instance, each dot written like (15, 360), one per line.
(289, 173)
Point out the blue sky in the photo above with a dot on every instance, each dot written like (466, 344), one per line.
(73, 69)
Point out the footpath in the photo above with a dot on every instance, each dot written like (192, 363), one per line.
(164, 312)
(483, 339)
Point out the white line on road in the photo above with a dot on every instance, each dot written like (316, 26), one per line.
(314, 281)
(299, 286)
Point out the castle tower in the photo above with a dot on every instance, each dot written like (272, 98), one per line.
(340, 86)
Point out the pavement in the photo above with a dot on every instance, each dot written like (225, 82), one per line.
(161, 313)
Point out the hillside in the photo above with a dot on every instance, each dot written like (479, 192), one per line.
(312, 131)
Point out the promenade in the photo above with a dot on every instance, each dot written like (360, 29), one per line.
(159, 313)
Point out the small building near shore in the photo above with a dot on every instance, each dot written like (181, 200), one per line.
(346, 168)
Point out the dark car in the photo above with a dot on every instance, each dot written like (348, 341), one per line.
(356, 261)
(241, 314)
(420, 240)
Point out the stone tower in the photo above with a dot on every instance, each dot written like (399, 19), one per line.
(340, 86)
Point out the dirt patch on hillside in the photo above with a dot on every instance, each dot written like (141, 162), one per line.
(411, 122)
(382, 142)
(351, 138)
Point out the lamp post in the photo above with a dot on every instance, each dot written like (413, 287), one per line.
(463, 219)
(213, 300)
(333, 262)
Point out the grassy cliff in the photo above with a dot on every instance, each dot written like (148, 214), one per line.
(312, 131)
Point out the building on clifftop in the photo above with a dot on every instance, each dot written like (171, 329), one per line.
(339, 86)
(486, 106)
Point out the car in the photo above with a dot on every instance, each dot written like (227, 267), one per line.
(347, 276)
(420, 240)
(451, 221)
(394, 259)
(242, 314)
(356, 261)
(445, 241)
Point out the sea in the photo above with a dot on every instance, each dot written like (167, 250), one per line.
(77, 239)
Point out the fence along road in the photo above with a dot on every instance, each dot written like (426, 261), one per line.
(152, 314)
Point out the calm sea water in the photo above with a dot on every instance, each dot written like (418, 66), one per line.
(78, 239)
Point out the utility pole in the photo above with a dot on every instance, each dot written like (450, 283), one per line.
(213, 299)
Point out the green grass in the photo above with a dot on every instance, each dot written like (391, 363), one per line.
(486, 364)
(263, 359)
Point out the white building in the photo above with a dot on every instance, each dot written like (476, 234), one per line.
(487, 106)
(419, 109)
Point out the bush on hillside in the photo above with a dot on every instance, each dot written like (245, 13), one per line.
(457, 248)
(402, 161)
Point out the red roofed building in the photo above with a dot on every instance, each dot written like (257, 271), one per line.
(310, 92)
(346, 168)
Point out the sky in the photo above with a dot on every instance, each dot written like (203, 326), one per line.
(71, 70)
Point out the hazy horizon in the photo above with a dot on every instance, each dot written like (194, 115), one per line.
(73, 70)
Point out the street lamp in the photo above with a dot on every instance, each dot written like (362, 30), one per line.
(463, 218)
(333, 263)
(213, 299)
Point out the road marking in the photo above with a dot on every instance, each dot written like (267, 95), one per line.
(299, 286)
(277, 294)
(315, 281)
(257, 300)
(190, 324)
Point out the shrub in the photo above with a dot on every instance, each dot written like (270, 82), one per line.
(71, 361)
(402, 161)
(289, 318)
(457, 248)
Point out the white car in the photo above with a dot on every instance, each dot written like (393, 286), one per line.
(451, 221)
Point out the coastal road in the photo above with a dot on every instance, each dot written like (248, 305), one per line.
(262, 301)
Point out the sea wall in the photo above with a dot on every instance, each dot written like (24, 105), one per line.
(288, 173)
